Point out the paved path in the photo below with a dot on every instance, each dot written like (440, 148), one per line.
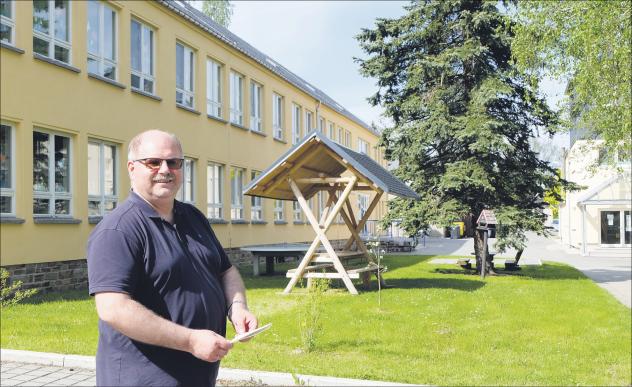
(613, 274)
(26, 368)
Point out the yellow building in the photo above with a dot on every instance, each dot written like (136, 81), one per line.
(80, 78)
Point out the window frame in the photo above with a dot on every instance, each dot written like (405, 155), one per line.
(50, 37)
(100, 58)
(237, 201)
(297, 214)
(10, 23)
(277, 116)
(332, 131)
(256, 102)
(340, 136)
(296, 123)
(279, 211)
(10, 192)
(152, 60)
(309, 121)
(361, 142)
(321, 125)
(348, 140)
(102, 198)
(189, 165)
(256, 202)
(236, 112)
(188, 62)
(51, 194)
(217, 206)
(214, 106)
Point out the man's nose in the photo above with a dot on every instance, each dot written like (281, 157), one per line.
(163, 167)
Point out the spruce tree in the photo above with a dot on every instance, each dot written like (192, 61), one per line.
(462, 117)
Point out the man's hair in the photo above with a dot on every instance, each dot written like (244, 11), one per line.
(135, 142)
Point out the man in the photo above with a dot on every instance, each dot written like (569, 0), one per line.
(162, 283)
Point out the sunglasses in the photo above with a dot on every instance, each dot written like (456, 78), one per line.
(155, 163)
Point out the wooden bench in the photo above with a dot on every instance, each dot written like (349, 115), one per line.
(464, 263)
(511, 265)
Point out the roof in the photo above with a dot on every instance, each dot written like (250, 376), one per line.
(324, 158)
(590, 196)
(200, 19)
(486, 217)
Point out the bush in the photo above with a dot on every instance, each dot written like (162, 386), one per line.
(309, 314)
(10, 294)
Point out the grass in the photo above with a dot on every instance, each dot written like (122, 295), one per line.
(546, 325)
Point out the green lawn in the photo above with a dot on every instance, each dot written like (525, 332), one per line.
(545, 325)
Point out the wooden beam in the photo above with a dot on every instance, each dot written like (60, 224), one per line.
(317, 180)
(366, 216)
(293, 167)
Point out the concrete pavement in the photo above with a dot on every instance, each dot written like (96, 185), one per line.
(614, 274)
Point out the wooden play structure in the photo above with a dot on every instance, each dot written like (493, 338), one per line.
(317, 164)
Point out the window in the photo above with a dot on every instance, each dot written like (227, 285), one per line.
(309, 121)
(7, 174)
(340, 138)
(185, 74)
(142, 57)
(51, 29)
(321, 125)
(186, 192)
(363, 146)
(51, 174)
(255, 107)
(296, 123)
(363, 205)
(277, 116)
(214, 190)
(101, 39)
(296, 210)
(332, 131)
(256, 203)
(7, 21)
(236, 98)
(102, 177)
(236, 193)
(321, 204)
(616, 228)
(213, 88)
(279, 214)
(348, 139)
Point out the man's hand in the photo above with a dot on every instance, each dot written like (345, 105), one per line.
(243, 320)
(208, 345)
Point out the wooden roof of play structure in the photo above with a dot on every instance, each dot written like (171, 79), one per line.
(486, 217)
(316, 155)
(317, 164)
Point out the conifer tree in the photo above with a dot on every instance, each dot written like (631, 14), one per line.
(462, 117)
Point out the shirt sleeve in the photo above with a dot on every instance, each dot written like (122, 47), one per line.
(113, 263)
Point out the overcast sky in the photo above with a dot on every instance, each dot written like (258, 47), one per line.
(316, 41)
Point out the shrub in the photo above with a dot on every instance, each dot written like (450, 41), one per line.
(10, 293)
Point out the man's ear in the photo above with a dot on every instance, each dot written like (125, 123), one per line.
(130, 168)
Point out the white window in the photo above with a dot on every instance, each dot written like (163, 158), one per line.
(255, 106)
(321, 125)
(185, 74)
(236, 98)
(340, 138)
(309, 121)
(296, 210)
(101, 39)
(214, 190)
(102, 177)
(332, 131)
(363, 146)
(256, 202)
(321, 204)
(7, 21)
(51, 174)
(348, 139)
(51, 29)
(279, 214)
(296, 123)
(186, 192)
(7, 170)
(363, 205)
(213, 88)
(236, 193)
(277, 116)
(142, 57)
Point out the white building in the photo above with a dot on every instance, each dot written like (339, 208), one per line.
(597, 219)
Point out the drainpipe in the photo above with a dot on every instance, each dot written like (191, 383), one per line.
(318, 116)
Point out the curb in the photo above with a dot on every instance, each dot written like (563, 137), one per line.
(259, 377)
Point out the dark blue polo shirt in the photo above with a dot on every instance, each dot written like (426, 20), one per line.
(173, 270)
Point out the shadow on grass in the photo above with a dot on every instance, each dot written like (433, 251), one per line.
(67, 295)
(547, 271)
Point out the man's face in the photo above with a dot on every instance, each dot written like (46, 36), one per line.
(160, 184)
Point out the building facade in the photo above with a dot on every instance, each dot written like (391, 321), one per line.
(80, 79)
(597, 220)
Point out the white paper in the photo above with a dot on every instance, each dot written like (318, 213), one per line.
(628, 223)
(610, 219)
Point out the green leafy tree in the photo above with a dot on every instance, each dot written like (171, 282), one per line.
(587, 43)
(462, 115)
(220, 11)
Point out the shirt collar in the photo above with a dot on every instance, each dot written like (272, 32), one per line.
(144, 207)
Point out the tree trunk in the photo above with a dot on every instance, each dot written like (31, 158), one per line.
(470, 226)
(518, 255)
(479, 248)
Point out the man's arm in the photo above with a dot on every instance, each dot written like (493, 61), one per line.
(134, 320)
(235, 293)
